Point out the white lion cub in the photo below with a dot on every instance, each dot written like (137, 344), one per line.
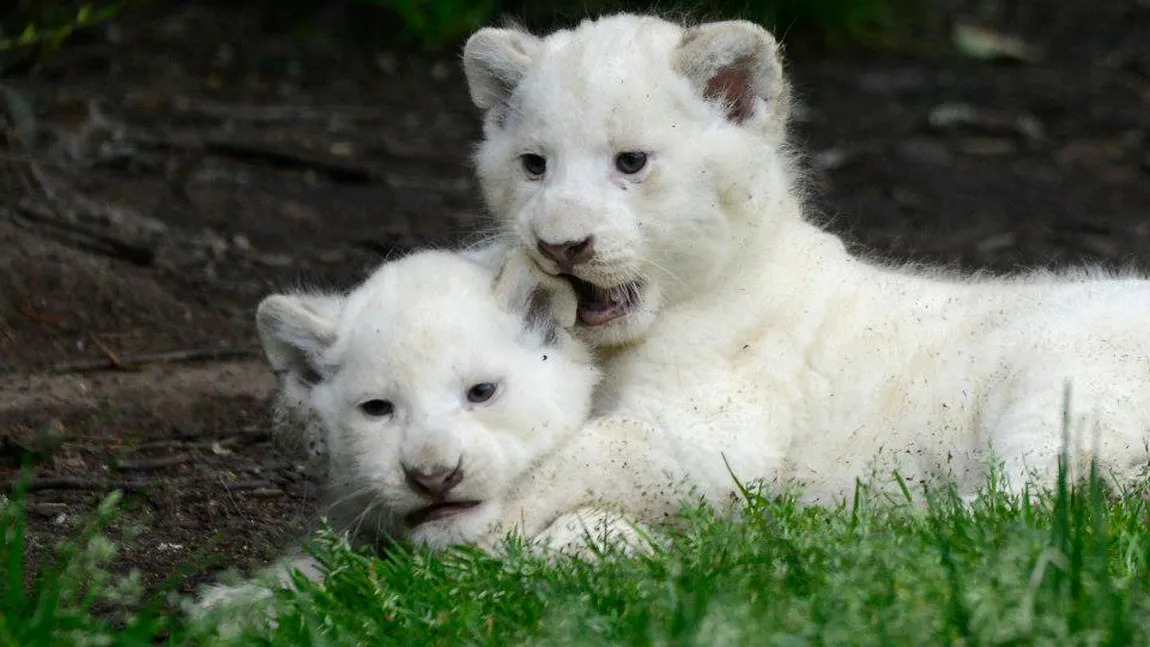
(435, 387)
(646, 163)
(449, 401)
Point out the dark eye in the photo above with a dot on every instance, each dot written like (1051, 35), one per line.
(535, 165)
(630, 162)
(481, 392)
(377, 408)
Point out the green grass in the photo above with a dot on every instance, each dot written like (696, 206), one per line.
(1070, 567)
(74, 600)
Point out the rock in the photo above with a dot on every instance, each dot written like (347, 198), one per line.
(17, 115)
(924, 150)
(989, 45)
(892, 81)
(951, 114)
(831, 159)
(986, 146)
(957, 115)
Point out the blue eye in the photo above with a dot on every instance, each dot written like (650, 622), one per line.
(481, 392)
(377, 408)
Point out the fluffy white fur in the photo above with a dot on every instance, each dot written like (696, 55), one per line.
(420, 334)
(749, 335)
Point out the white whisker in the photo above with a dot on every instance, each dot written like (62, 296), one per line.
(664, 270)
(349, 495)
(363, 516)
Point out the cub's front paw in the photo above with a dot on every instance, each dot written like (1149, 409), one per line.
(232, 607)
(588, 533)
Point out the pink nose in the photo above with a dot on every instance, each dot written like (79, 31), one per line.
(569, 254)
(434, 482)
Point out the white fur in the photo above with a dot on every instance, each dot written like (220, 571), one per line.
(759, 340)
(419, 333)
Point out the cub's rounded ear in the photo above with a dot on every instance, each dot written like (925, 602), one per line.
(737, 64)
(295, 330)
(494, 61)
(546, 303)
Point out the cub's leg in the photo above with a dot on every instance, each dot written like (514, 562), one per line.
(230, 607)
(612, 473)
(1094, 423)
(589, 531)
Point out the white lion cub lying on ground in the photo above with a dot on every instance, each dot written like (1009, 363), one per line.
(647, 164)
(449, 397)
(449, 400)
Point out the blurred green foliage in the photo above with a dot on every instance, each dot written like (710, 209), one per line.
(31, 29)
(48, 23)
(436, 24)
(827, 24)
(40, 27)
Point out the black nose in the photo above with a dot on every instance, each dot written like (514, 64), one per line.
(434, 482)
(569, 254)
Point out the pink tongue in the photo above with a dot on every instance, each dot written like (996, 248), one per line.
(597, 316)
(605, 306)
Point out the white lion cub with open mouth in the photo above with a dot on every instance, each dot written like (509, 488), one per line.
(647, 164)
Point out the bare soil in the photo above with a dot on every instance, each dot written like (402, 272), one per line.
(185, 162)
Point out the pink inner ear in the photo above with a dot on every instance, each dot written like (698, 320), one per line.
(732, 86)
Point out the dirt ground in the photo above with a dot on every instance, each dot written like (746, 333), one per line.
(183, 163)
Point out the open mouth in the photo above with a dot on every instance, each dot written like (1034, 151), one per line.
(438, 510)
(599, 305)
